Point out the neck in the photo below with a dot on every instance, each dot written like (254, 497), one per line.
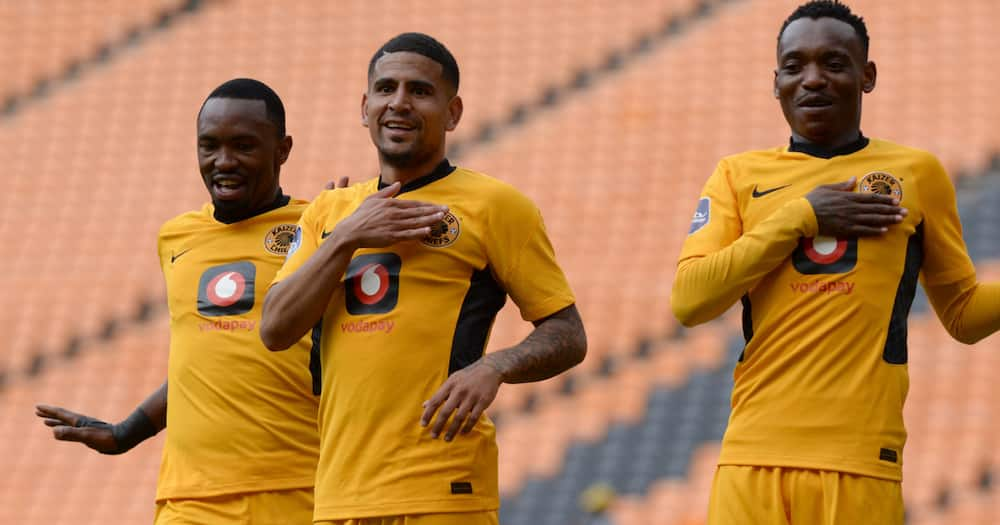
(829, 142)
(390, 172)
(232, 216)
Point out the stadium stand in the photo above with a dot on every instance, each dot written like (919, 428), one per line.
(56, 40)
(49, 482)
(147, 97)
(534, 443)
(635, 452)
(609, 115)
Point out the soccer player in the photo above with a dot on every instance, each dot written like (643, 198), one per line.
(823, 241)
(242, 446)
(408, 271)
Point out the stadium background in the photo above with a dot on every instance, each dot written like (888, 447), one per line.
(609, 114)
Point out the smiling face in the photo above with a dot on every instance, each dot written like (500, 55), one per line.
(408, 109)
(240, 154)
(822, 73)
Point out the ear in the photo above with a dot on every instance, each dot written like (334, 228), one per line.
(775, 83)
(284, 149)
(868, 77)
(454, 113)
(364, 110)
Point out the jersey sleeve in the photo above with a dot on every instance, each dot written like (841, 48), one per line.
(946, 259)
(719, 261)
(523, 260)
(970, 310)
(308, 234)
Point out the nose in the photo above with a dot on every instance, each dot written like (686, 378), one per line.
(400, 101)
(225, 160)
(813, 78)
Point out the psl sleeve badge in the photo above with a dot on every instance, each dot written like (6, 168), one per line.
(701, 215)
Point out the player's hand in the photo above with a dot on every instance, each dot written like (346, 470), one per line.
(841, 212)
(381, 220)
(467, 393)
(342, 182)
(70, 426)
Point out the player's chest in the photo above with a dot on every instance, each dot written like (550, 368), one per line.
(761, 191)
(436, 269)
(878, 258)
(217, 275)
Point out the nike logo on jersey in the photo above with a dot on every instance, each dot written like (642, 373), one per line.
(326, 234)
(175, 256)
(759, 194)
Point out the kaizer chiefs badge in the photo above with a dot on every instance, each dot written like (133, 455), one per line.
(444, 233)
(881, 183)
(279, 239)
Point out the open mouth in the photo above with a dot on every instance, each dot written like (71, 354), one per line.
(228, 187)
(815, 103)
(398, 127)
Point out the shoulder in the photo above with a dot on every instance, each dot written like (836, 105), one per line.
(493, 190)
(330, 199)
(187, 221)
(916, 155)
(752, 157)
(733, 166)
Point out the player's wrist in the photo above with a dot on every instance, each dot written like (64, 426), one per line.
(343, 239)
(491, 363)
(131, 431)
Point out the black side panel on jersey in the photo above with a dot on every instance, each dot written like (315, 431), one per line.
(747, 323)
(479, 308)
(315, 365)
(895, 340)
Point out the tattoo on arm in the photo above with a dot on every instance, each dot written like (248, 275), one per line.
(557, 343)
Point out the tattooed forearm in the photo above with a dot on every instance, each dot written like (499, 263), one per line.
(555, 345)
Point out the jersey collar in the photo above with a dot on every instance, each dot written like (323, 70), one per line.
(828, 153)
(441, 171)
(279, 201)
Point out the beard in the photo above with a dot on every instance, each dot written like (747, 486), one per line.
(404, 159)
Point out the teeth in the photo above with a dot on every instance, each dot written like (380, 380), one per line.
(228, 184)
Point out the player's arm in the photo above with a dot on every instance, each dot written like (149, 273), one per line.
(557, 344)
(720, 262)
(523, 262)
(295, 304)
(969, 309)
(145, 422)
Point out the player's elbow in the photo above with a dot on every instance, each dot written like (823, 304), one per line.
(271, 333)
(271, 337)
(578, 347)
(569, 329)
(687, 308)
(964, 336)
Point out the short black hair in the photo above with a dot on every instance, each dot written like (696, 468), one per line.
(250, 89)
(816, 9)
(420, 44)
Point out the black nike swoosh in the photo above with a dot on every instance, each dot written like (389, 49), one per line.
(326, 233)
(758, 194)
(175, 256)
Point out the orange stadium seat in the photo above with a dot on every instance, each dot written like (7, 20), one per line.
(106, 383)
(43, 39)
(533, 444)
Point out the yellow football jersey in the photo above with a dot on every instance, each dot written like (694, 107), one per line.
(239, 417)
(822, 380)
(407, 317)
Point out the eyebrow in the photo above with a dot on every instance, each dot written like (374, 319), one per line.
(797, 53)
(242, 136)
(414, 83)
